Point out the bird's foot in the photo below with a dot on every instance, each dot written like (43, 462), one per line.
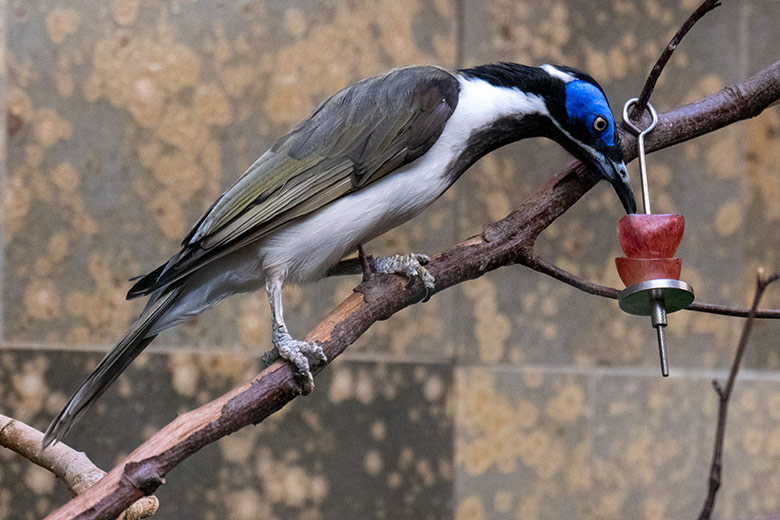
(411, 265)
(296, 352)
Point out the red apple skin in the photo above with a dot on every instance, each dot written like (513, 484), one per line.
(635, 270)
(650, 236)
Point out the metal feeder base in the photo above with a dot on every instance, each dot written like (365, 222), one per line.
(638, 299)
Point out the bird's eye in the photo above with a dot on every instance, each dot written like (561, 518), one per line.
(600, 124)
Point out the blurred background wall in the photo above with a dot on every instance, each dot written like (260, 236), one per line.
(509, 397)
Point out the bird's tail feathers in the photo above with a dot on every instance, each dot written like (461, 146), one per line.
(110, 367)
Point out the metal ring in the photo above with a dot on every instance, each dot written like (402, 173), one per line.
(632, 126)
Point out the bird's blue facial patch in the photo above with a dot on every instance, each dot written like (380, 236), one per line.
(584, 103)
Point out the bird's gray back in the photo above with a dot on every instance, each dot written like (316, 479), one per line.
(360, 134)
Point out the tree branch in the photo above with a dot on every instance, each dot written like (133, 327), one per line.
(71, 466)
(502, 243)
(729, 105)
(655, 72)
(724, 394)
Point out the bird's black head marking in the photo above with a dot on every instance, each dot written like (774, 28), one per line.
(513, 75)
(578, 115)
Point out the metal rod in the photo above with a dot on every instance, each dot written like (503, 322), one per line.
(658, 320)
(657, 309)
(662, 350)
(643, 174)
(641, 145)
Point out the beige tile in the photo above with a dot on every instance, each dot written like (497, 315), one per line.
(374, 440)
(545, 444)
(541, 321)
(523, 443)
(761, 210)
(129, 119)
(653, 446)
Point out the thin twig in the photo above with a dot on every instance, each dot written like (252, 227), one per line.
(71, 466)
(655, 73)
(724, 394)
(352, 266)
(541, 265)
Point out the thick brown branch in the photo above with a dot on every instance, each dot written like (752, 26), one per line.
(502, 243)
(655, 72)
(730, 104)
(724, 394)
(71, 466)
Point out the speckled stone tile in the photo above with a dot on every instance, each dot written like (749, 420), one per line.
(542, 321)
(373, 441)
(544, 444)
(127, 119)
(653, 443)
(3, 152)
(522, 444)
(762, 210)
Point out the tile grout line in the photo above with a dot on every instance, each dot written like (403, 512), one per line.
(453, 321)
(744, 189)
(646, 372)
(744, 44)
(3, 153)
(460, 14)
(455, 360)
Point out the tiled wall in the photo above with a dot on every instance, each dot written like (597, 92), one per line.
(509, 397)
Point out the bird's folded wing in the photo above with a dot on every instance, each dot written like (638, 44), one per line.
(355, 137)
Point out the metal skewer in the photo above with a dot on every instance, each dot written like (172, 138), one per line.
(640, 139)
(653, 297)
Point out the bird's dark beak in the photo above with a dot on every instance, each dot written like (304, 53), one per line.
(616, 174)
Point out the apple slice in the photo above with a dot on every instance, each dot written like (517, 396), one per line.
(650, 236)
(635, 270)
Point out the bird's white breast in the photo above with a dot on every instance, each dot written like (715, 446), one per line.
(307, 248)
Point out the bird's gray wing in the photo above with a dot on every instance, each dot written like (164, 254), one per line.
(360, 134)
